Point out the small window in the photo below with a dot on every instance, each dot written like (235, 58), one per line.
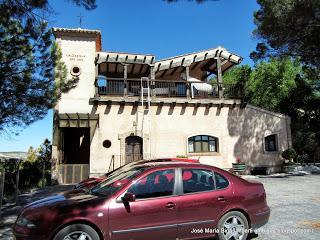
(156, 184)
(197, 180)
(202, 143)
(221, 181)
(270, 143)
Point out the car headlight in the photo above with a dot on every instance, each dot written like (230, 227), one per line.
(24, 222)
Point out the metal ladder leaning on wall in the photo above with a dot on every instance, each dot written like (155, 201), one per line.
(146, 100)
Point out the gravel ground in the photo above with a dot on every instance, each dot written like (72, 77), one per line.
(294, 203)
(295, 208)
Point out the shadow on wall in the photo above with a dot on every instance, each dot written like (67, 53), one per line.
(250, 127)
(171, 109)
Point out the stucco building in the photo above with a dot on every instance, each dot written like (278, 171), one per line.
(131, 106)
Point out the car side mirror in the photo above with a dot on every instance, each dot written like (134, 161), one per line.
(129, 197)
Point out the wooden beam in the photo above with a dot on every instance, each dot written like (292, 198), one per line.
(216, 72)
(182, 62)
(158, 67)
(174, 70)
(208, 64)
(205, 56)
(194, 58)
(141, 68)
(147, 72)
(116, 67)
(227, 67)
(195, 65)
(164, 72)
(132, 69)
(107, 67)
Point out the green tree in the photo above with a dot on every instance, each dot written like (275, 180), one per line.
(239, 76)
(288, 28)
(44, 159)
(272, 81)
(32, 154)
(27, 88)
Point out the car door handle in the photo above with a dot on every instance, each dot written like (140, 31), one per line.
(221, 199)
(170, 205)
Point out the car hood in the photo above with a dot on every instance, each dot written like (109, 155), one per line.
(73, 197)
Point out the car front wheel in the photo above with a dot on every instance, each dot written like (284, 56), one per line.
(77, 232)
(233, 226)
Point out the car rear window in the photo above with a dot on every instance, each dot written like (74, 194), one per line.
(197, 180)
(221, 181)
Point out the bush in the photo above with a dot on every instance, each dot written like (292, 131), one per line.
(182, 156)
(303, 158)
(289, 154)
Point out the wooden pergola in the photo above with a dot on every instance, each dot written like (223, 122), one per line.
(12, 157)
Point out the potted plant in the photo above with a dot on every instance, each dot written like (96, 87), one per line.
(289, 155)
(239, 166)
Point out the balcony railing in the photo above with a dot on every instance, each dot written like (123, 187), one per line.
(167, 88)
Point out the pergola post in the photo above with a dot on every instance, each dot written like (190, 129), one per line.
(96, 90)
(187, 70)
(219, 78)
(2, 179)
(125, 76)
(153, 83)
(16, 193)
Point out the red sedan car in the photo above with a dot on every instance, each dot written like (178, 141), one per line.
(151, 200)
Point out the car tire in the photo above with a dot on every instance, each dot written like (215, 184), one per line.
(237, 224)
(74, 231)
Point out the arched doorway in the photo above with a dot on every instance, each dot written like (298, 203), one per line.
(134, 148)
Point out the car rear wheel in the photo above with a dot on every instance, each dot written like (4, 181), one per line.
(233, 226)
(77, 232)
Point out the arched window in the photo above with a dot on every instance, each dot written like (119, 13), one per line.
(202, 143)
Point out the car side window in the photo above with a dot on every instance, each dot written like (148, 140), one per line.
(156, 184)
(197, 180)
(221, 181)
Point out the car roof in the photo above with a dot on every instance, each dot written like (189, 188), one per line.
(154, 164)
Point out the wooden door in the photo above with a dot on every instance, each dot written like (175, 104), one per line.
(134, 148)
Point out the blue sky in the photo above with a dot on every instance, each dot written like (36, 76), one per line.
(154, 27)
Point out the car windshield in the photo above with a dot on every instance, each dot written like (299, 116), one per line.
(116, 181)
(123, 168)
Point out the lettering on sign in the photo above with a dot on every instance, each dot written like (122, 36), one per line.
(75, 57)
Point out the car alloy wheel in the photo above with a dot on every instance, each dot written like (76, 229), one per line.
(77, 235)
(77, 232)
(233, 226)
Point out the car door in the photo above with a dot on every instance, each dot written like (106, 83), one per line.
(200, 204)
(153, 214)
